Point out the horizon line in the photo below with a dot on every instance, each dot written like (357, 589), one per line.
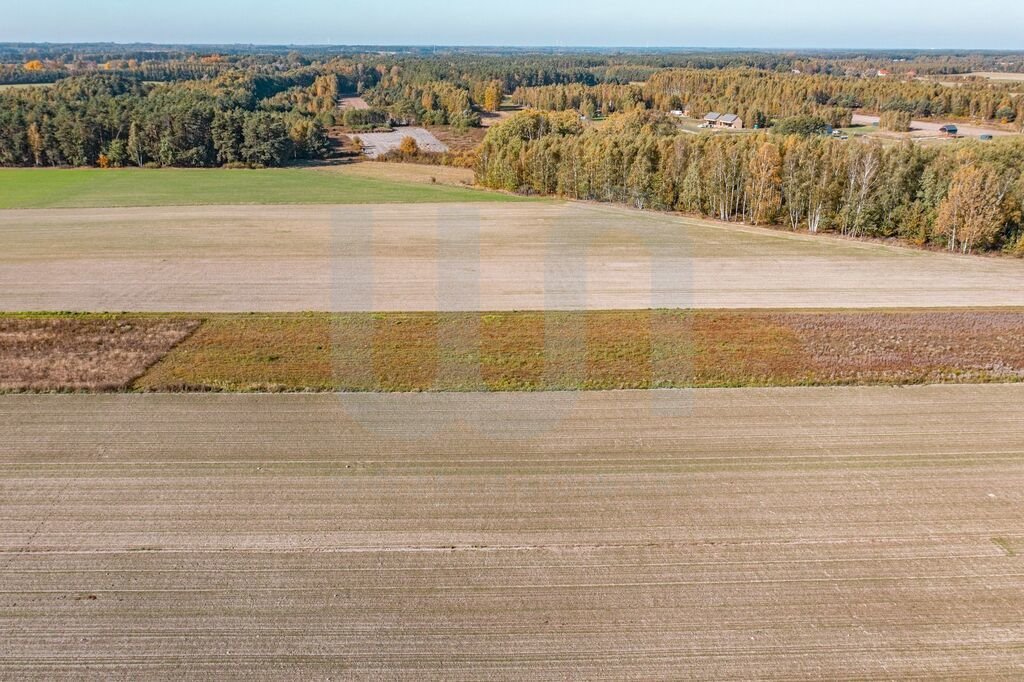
(498, 46)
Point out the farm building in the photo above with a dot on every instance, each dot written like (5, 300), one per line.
(717, 120)
(949, 130)
(730, 121)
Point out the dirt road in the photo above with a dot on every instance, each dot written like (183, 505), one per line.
(543, 255)
(725, 534)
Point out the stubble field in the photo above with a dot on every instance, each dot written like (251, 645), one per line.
(814, 533)
(458, 256)
(853, 532)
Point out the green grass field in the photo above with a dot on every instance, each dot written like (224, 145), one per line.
(853, 131)
(92, 188)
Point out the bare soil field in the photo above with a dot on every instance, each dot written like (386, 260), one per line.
(377, 144)
(95, 354)
(459, 139)
(486, 256)
(720, 534)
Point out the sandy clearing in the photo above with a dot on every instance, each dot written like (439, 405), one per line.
(376, 144)
(489, 119)
(820, 533)
(352, 102)
(459, 139)
(543, 255)
(996, 75)
(931, 128)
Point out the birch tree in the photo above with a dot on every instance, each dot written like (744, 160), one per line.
(971, 215)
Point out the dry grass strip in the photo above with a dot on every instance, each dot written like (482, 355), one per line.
(83, 353)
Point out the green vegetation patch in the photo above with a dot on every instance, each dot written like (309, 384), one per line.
(88, 188)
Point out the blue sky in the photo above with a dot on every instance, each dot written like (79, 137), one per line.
(998, 24)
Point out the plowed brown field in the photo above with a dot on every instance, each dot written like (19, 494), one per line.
(488, 256)
(825, 533)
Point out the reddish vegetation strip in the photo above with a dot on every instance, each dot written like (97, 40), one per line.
(508, 351)
(915, 347)
(94, 353)
(592, 350)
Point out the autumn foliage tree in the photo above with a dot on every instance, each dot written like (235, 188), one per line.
(764, 184)
(408, 146)
(971, 215)
(966, 196)
(492, 96)
(895, 121)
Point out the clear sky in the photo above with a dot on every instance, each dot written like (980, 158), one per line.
(996, 24)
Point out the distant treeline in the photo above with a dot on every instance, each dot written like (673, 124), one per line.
(453, 91)
(565, 64)
(452, 86)
(149, 71)
(761, 96)
(965, 196)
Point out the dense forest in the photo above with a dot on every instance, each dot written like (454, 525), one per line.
(109, 120)
(762, 96)
(967, 196)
